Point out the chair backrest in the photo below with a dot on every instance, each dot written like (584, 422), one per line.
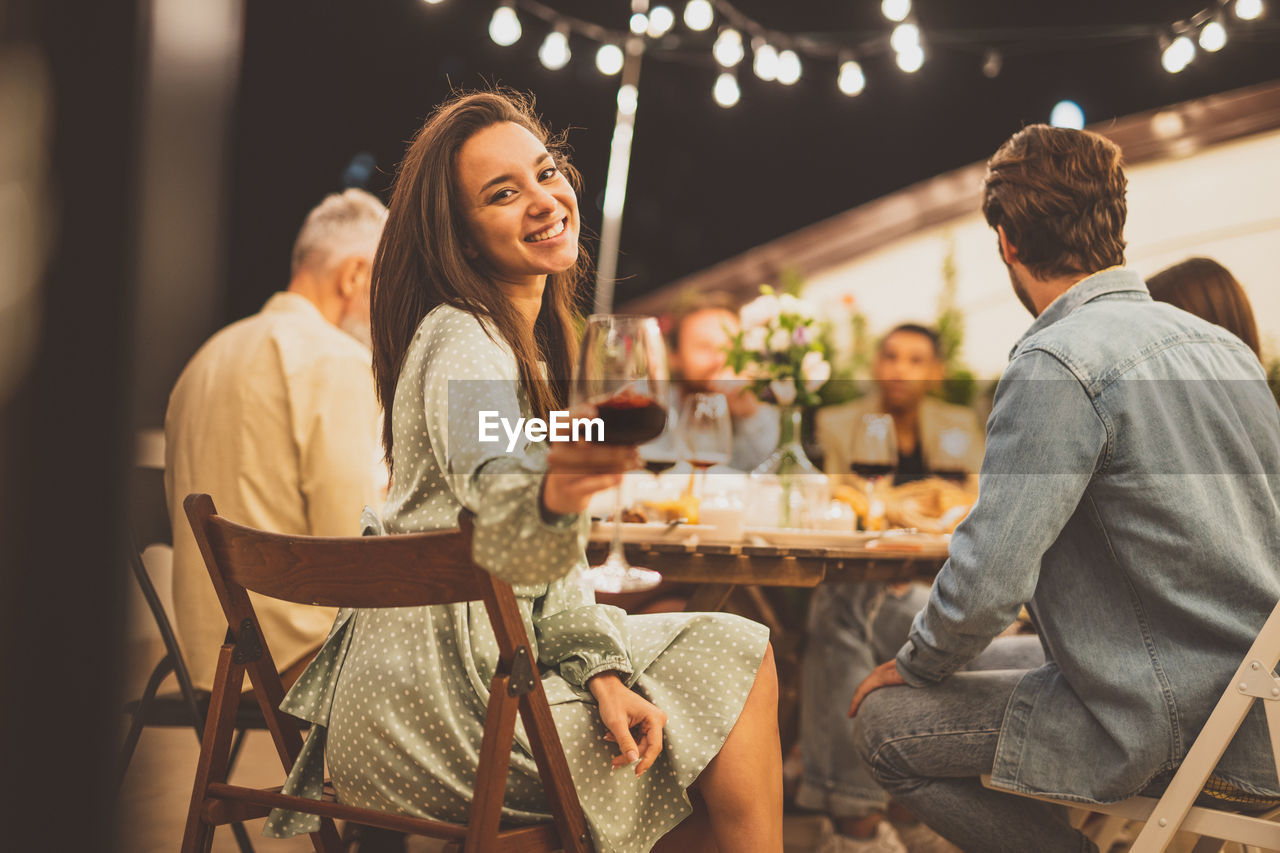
(406, 570)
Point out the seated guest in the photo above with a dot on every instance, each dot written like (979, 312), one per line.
(855, 626)
(276, 417)
(1205, 288)
(1132, 506)
(698, 352)
(473, 292)
(933, 437)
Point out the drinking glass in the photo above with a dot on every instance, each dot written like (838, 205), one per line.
(622, 371)
(874, 453)
(952, 458)
(705, 432)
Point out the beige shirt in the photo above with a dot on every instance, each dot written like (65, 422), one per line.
(277, 419)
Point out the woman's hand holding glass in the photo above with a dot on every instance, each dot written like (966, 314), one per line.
(577, 470)
(623, 711)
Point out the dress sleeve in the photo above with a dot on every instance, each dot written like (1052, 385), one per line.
(467, 375)
(1045, 441)
(578, 637)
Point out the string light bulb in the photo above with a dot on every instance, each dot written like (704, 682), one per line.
(1067, 114)
(788, 67)
(504, 26)
(764, 61)
(639, 23)
(728, 49)
(554, 53)
(1213, 37)
(698, 15)
(609, 59)
(911, 59)
(896, 10)
(1178, 55)
(904, 37)
(628, 99)
(726, 91)
(661, 19)
(851, 80)
(1248, 10)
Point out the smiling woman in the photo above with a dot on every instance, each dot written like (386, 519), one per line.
(473, 290)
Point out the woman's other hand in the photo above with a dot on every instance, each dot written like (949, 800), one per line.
(623, 711)
(577, 470)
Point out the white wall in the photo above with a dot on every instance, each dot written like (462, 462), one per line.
(1223, 202)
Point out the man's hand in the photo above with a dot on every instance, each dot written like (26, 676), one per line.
(621, 711)
(885, 675)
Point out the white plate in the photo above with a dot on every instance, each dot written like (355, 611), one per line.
(652, 531)
(789, 537)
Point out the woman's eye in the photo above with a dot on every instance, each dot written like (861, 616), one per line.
(547, 173)
(503, 195)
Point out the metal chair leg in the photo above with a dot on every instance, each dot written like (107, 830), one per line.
(158, 675)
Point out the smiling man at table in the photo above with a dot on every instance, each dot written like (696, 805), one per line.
(1130, 498)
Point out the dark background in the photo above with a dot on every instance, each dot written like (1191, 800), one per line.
(324, 80)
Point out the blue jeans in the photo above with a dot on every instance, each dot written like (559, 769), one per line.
(928, 746)
(853, 627)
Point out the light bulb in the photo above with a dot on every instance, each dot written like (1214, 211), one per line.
(905, 37)
(609, 59)
(728, 49)
(1248, 10)
(1067, 114)
(896, 10)
(764, 61)
(433, 2)
(504, 26)
(661, 19)
(698, 15)
(788, 67)
(851, 80)
(1213, 37)
(1178, 55)
(639, 23)
(628, 99)
(911, 60)
(554, 53)
(726, 90)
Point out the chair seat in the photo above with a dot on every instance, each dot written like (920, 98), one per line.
(169, 709)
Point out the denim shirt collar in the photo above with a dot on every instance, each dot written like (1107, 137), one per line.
(1110, 280)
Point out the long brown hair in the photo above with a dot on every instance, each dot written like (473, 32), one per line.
(1060, 196)
(1204, 287)
(421, 264)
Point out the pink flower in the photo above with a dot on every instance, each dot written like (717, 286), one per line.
(815, 370)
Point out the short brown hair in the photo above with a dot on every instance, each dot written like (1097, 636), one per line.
(1204, 287)
(1059, 195)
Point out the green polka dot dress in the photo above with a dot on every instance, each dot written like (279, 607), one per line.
(397, 697)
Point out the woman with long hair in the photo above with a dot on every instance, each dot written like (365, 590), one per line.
(474, 290)
(1207, 289)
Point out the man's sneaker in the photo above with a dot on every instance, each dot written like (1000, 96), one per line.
(919, 838)
(886, 841)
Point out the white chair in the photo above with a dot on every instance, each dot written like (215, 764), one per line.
(1175, 810)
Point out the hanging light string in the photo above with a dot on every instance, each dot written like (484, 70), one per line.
(782, 57)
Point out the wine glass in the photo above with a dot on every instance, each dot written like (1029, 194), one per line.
(705, 432)
(622, 371)
(951, 460)
(874, 453)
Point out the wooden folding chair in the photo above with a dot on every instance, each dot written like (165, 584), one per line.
(378, 571)
(1175, 811)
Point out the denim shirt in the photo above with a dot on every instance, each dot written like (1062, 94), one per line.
(1130, 497)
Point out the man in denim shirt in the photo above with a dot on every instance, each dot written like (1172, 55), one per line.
(1130, 497)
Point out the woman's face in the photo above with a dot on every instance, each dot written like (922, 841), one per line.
(521, 212)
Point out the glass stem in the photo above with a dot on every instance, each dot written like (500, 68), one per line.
(616, 554)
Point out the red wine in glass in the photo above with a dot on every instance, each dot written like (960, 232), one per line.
(708, 460)
(954, 475)
(657, 466)
(631, 418)
(871, 470)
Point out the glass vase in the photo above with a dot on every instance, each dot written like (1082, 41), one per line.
(787, 478)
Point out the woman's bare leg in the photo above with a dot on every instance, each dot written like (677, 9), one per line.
(691, 835)
(742, 786)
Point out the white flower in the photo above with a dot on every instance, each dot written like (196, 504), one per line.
(789, 304)
(754, 339)
(761, 311)
(815, 370)
(784, 391)
(780, 340)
